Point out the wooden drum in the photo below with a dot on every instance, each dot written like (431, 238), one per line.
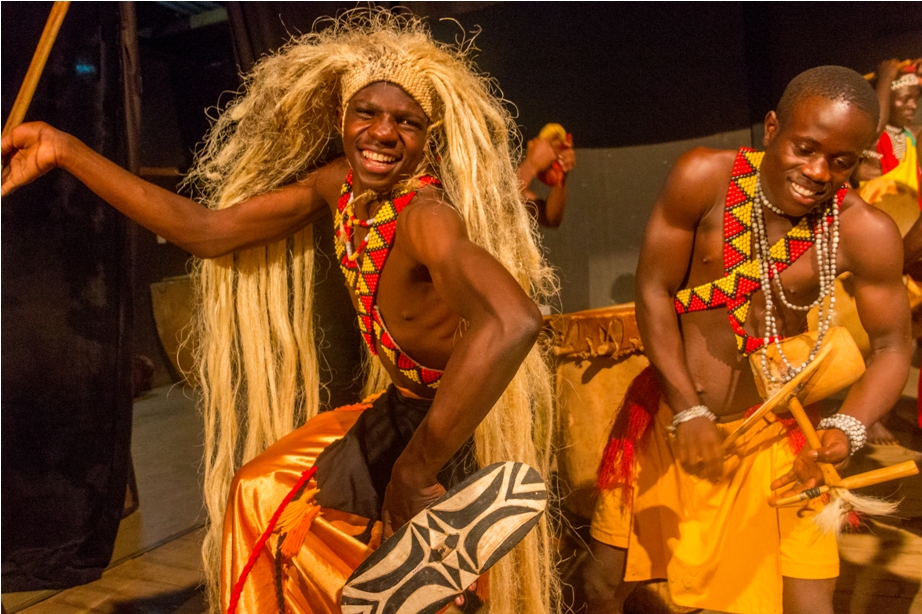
(596, 353)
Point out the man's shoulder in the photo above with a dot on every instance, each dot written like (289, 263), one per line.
(866, 230)
(704, 166)
(858, 218)
(698, 179)
(328, 180)
(428, 206)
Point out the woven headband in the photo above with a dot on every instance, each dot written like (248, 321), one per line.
(399, 71)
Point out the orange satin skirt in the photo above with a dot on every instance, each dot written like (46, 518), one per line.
(313, 579)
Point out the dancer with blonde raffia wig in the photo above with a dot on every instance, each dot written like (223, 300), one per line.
(426, 184)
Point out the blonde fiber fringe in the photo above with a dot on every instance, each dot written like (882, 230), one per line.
(257, 360)
(833, 518)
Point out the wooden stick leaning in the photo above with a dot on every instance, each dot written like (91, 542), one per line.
(34, 73)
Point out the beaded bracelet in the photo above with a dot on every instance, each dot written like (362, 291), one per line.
(856, 432)
(698, 411)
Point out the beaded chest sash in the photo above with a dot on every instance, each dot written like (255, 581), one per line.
(363, 278)
(741, 270)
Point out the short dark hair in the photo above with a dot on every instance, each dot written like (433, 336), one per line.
(831, 83)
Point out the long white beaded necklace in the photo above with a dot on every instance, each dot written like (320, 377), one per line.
(826, 243)
(898, 140)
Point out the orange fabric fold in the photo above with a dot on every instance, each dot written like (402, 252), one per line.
(314, 578)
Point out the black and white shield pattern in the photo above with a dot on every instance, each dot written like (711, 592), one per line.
(444, 548)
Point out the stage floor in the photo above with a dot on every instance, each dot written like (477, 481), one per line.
(156, 567)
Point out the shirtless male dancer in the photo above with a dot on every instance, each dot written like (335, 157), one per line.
(426, 184)
(676, 512)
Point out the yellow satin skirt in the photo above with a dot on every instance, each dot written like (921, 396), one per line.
(906, 173)
(313, 580)
(720, 546)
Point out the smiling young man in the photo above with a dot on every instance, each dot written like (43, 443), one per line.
(677, 512)
(436, 248)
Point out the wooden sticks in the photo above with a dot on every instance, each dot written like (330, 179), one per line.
(868, 478)
(27, 89)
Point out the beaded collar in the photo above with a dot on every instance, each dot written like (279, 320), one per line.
(362, 277)
(741, 270)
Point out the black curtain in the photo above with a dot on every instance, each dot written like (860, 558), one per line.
(66, 316)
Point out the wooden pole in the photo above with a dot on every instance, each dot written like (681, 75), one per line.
(27, 90)
(830, 475)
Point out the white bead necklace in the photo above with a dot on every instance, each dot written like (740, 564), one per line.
(826, 244)
(898, 140)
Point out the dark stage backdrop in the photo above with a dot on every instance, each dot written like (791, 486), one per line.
(637, 84)
(66, 316)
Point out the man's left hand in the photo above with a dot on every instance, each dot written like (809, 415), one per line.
(806, 473)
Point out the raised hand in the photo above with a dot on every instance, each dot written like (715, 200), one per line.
(29, 151)
(540, 154)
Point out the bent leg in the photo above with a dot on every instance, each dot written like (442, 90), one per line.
(808, 596)
(603, 576)
(258, 489)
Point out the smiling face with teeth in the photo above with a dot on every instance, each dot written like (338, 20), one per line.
(812, 152)
(384, 136)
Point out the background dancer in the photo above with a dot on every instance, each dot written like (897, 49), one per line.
(549, 157)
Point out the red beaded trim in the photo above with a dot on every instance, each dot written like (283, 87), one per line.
(363, 278)
(734, 290)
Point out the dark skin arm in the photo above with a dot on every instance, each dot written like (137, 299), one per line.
(691, 189)
(886, 73)
(541, 155)
(33, 149)
(502, 326)
(871, 249)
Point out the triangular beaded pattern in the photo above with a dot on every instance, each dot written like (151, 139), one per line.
(741, 270)
(363, 278)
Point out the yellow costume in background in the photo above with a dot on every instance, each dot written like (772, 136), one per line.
(905, 174)
(721, 546)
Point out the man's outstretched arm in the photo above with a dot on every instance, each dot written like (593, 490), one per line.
(33, 149)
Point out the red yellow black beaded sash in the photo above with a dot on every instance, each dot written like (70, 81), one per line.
(741, 271)
(363, 278)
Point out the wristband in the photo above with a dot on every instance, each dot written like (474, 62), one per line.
(698, 411)
(852, 427)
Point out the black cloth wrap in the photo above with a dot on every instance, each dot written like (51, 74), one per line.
(353, 472)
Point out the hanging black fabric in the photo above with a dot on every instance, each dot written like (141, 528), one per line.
(66, 317)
